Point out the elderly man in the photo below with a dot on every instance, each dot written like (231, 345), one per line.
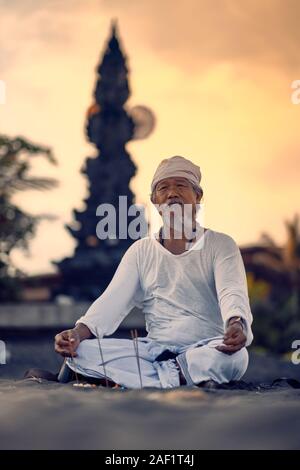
(192, 289)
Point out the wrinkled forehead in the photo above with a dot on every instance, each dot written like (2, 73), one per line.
(175, 179)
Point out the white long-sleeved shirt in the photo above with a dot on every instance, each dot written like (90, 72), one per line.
(185, 298)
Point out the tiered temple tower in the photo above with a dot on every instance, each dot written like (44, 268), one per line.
(110, 126)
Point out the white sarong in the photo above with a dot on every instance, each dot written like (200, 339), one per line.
(198, 362)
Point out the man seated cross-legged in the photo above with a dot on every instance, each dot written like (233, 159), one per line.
(192, 290)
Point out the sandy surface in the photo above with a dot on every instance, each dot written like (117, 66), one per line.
(59, 416)
(55, 416)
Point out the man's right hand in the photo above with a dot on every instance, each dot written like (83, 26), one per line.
(67, 342)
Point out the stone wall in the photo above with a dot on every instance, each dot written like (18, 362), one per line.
(31, 316)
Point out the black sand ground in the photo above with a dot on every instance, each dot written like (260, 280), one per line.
(55, 416)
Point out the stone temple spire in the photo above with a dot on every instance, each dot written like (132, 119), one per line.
(109, 127)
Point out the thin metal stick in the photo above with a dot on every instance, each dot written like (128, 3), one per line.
(101, 355)
(74, 365)
(135, 344)
(137, 355)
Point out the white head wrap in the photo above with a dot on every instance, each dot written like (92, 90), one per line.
(177, 166)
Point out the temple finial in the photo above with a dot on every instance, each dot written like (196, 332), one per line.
(114, 27)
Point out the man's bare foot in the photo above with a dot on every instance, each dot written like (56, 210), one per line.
(208, 384)
(40, 374)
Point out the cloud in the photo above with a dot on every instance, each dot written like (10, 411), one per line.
(29, 24)
(194, 34)
(197, 33)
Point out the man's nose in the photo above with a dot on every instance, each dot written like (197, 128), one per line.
(172, 191)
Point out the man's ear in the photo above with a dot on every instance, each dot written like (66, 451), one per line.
(198, 198)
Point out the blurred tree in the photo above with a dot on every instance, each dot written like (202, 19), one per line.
(16, 226)
(258, 290)
(275, 327)
(276, 308)
(285, 260)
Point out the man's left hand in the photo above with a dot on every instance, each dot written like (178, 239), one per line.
(234, 338)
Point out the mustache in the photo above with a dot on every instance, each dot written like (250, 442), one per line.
(174, 201)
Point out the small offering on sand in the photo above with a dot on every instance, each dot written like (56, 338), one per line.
(185, 397)
(85, 385)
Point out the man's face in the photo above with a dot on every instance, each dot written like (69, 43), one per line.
(175, 199)
(175, 190)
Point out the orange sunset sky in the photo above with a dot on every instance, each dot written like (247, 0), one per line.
(217, 75)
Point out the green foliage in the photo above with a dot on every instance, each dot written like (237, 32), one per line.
(276, 316)
(276, 304)
(258, 289)
(16, 226)
(276, 325)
